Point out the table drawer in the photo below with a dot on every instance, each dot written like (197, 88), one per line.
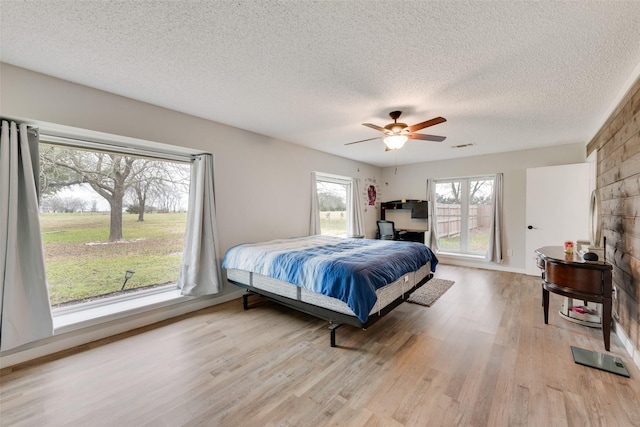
(580, 279)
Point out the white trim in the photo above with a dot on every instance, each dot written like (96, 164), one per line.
(111, 147)
(465, 204)
(72, 318)
(472, 262)
(460, 178)
(627, 344)
(336, 179)
(461, 256)
(106, 301)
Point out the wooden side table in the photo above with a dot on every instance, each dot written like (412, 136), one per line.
(571, 276)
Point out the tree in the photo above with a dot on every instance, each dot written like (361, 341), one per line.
(478, 192)
(113, 176)
(448, 194)
(331, 196)
(54, 203)
(107, 174)
(163, 182)
(145, 176)
(53, 176)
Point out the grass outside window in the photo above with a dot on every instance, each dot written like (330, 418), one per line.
(478, 242)
(82, 264)
(333, 223)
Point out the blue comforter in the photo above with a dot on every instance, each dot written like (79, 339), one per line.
(347, 269)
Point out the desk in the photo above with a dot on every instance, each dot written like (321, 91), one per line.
(407, 235)
(411, 235)
(571, 276)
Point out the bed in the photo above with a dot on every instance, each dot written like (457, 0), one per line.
(342, 280)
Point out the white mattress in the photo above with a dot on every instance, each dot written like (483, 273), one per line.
(386, 295)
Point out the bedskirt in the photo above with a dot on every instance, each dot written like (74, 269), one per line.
(385, 295)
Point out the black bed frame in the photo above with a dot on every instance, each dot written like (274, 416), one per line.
(335, 319)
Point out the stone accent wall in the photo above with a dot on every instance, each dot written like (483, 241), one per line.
(618, 184)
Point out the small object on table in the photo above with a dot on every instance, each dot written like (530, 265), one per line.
(590, 256)
(568, 247)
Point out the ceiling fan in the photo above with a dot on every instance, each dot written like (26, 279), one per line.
(396, 134)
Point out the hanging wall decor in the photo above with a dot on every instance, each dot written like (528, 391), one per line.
(371, 193)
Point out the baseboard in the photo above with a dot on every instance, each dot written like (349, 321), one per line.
(466, 262)
(628, 345)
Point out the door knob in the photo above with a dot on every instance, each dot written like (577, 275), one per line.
(530, 227)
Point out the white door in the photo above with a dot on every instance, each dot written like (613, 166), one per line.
(557, 208)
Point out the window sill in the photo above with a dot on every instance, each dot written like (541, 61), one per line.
(460, 256)
(80, 316)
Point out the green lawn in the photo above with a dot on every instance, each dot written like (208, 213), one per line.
(478, 242)
(333, 227)
(81, 263)
(333, 223)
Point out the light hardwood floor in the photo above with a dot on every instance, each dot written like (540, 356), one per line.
(480, 356)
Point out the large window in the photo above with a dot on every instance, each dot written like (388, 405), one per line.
(112, 222)
(332, 194)
(463, 211)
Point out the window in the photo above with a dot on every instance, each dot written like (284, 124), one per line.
(112, 222)
(332, 194)
(463, 211)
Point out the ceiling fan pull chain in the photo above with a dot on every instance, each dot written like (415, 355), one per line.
(395, 160)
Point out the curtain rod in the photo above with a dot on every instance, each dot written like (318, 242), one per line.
(30, 129)
(106, 146)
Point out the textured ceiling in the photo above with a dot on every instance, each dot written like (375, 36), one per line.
(506, 75)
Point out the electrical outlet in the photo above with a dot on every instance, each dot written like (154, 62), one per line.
(509, 252)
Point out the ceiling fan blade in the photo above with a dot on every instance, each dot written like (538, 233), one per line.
(376, 127)
(363, 140)
(426, 137)
(427, 123)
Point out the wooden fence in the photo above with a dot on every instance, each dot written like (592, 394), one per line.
(449, 222)
(448, 218)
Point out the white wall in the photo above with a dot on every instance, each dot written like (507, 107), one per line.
(410, 182)
(262, 184)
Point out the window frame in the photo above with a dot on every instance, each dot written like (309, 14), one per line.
(340, 180)
(91, 313)
(465, 185)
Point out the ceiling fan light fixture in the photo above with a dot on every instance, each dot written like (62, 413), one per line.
(396, 133)
(395, 142)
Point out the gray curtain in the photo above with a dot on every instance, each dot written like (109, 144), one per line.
(24, 295)
(494, 251)
(355, 226)
(314, 223)
(433, 215)
(200, 269)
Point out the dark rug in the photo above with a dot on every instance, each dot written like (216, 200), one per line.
(430, 292)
